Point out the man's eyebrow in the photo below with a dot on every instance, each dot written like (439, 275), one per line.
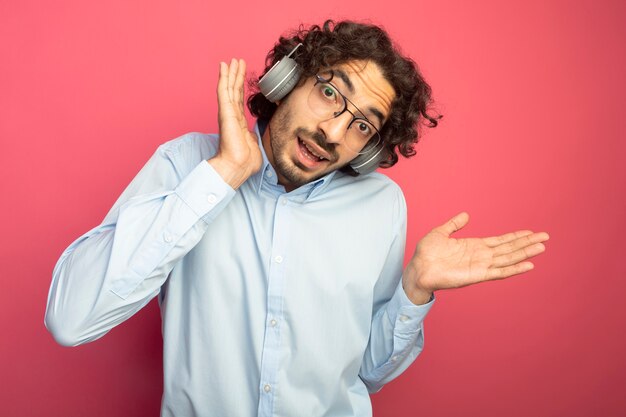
(378, 114)
(346, 80)
(344, 77)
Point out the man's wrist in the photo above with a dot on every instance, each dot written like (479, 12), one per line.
(233, 174)
(416, 294)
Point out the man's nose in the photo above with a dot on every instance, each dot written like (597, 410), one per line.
(336, 128)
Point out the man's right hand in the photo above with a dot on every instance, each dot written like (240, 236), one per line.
(239, 155)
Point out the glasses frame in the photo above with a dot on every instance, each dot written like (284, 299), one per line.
(319, 79)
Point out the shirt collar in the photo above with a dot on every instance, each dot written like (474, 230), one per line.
(266, 176)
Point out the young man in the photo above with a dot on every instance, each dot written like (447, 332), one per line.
(277, 261)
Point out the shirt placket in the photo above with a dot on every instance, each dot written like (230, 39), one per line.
(270, 360)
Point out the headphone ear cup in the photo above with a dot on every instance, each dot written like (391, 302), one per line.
(280, 79)
(369, 160)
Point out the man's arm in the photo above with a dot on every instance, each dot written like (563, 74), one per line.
(440, 262)
(112, 271)
(397, 331)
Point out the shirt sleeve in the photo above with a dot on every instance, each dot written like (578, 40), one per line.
(115, 269)
(397, 330)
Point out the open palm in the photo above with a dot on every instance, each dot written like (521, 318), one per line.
(442, 262)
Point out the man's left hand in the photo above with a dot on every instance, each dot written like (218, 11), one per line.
(442, 262)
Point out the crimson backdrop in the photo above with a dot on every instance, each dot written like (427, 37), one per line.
(532, 93)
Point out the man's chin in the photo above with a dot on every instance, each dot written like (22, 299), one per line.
(298, 175)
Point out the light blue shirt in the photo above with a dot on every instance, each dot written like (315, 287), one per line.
(273, 303)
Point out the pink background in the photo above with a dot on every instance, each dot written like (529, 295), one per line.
(533, 137)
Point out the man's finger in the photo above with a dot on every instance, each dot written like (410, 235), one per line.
(222, 85)
(519, 255)
(505, 238)
(507, 271)
(454, 224)
(232, 77)
(520, 243)
(241, 76)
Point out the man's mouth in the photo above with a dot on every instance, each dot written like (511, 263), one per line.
(312, 157)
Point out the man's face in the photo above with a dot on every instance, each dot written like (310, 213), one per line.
(297, 137)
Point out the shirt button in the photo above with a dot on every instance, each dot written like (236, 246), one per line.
(273, 323)
(211, 198)
(269, 173)
(167, 237)
(394, 358)
(278, 259)
(267, 388)
(404, 318)
(283, 201)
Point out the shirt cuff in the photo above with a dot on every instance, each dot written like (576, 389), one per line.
(205, 191)
(404, 315)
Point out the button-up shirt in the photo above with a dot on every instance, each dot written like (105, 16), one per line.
(273, 303)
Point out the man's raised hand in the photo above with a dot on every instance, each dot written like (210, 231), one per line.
(239, 155)
(442, 262)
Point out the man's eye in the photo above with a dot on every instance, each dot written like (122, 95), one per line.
(364, 128)
(329, 92)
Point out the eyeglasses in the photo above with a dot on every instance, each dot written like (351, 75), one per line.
(326, 101)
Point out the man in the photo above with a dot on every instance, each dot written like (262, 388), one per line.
(276, 259)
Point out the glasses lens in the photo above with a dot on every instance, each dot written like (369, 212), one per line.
(326, 101)
(359, 134)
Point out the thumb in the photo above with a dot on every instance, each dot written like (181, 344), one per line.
(454, 224)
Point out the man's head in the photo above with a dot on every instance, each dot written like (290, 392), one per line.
(380, 85)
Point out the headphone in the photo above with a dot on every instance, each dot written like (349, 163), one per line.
(283, 77)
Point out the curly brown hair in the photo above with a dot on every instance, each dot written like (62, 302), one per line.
(337, 43)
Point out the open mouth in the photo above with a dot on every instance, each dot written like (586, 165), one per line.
(309, 156)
